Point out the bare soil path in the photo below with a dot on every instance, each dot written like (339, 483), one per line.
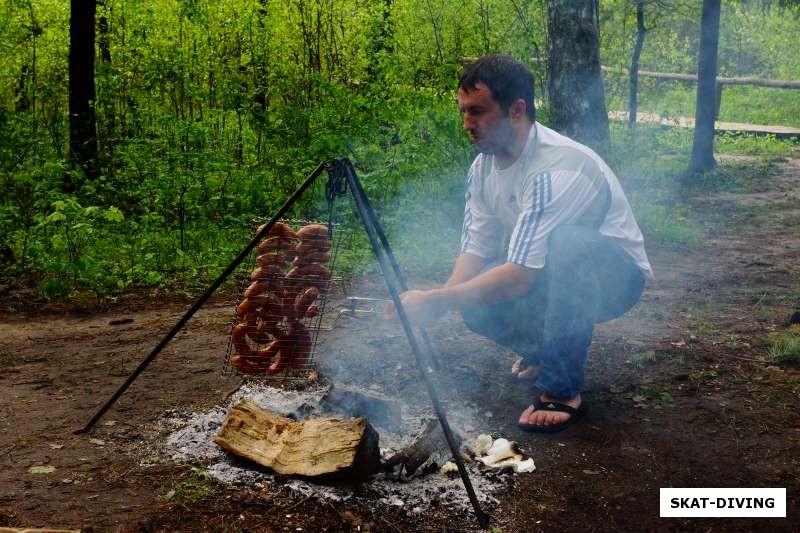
(680, 392)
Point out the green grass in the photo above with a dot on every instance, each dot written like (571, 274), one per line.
(196, 487)
(640, 360)
(742, 104)
(785, 346)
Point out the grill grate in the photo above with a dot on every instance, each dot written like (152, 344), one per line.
(278, 343)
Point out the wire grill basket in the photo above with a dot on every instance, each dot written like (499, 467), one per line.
(282, 308)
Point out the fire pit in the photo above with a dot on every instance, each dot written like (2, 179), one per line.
(192, 441)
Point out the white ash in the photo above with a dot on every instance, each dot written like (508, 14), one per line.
(193, 434)
(194, 438)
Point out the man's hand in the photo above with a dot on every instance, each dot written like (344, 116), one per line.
(422, 307)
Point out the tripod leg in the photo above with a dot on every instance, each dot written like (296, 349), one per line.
(204, 297)
(361, 205)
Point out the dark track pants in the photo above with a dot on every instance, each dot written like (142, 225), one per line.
(587, 279)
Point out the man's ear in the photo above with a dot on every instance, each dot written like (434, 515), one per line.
(517, 109)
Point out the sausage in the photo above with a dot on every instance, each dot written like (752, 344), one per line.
(310, 247)
(279, 229)
(271, 259)
(275, 243)
(245, 307)
(313, 257)
(239, 340)
(270, 351)
(263, 325)
(256, 288)
(259, 335)
(312, 311)
(311, 270)
(281, 358)
(312, 232)
(304, 301)
(274, 282)
(269, 318)
(249, 365)
(270, 271)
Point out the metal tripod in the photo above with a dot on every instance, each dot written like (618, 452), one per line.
(342, 176)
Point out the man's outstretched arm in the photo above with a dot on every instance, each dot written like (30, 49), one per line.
(466, 288)
(467, 266)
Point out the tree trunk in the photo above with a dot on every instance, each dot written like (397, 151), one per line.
(82, 120)
(703, 144)
(633, 106)
(575, 84)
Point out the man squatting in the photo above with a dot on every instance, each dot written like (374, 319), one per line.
(575, 256)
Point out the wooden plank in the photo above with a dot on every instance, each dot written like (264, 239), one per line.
(331, 447)
(780, 132)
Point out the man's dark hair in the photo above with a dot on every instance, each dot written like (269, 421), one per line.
(506, 78)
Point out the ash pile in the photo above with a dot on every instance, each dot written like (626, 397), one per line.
(407, 462)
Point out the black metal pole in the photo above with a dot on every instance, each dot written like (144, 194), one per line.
(434, 356)
(206, 295)
(364, 212)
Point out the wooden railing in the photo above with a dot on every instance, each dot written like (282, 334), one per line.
(721, 82)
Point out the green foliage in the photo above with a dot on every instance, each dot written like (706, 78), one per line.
(195, 487)
(211, 113)
(785, 346)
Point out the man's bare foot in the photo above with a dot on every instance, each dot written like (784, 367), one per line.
(523, 370)
(533, 417)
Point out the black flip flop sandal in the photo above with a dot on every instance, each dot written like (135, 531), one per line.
(575, 415)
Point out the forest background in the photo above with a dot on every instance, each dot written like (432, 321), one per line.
(209, 114)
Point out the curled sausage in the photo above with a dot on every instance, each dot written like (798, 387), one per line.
(312, 311)
(312, 232)
(270, 351)
(239, 340)
(304, 301)
(271, 259)
(279, 229)
(275, 243)
(281, 358)
(245, 307)
(256, 288)
(249, 364)
(273, 281)
(311, 270)
(271, 270)
(269, 319)
(314, 257)
(310, 247)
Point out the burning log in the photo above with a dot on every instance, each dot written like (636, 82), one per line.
(330, 447)
(430, 444)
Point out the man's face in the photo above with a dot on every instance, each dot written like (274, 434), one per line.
(490, 130)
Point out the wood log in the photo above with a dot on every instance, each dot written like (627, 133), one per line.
(328, 447)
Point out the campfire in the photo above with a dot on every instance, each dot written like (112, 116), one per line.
(244, 443)
(274, 335)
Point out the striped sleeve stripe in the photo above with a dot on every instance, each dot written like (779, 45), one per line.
(542, 195)
(467, 213)
(527, 220)
(546, 197)
(465, 230)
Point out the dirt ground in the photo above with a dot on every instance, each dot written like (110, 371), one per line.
(680, 392)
